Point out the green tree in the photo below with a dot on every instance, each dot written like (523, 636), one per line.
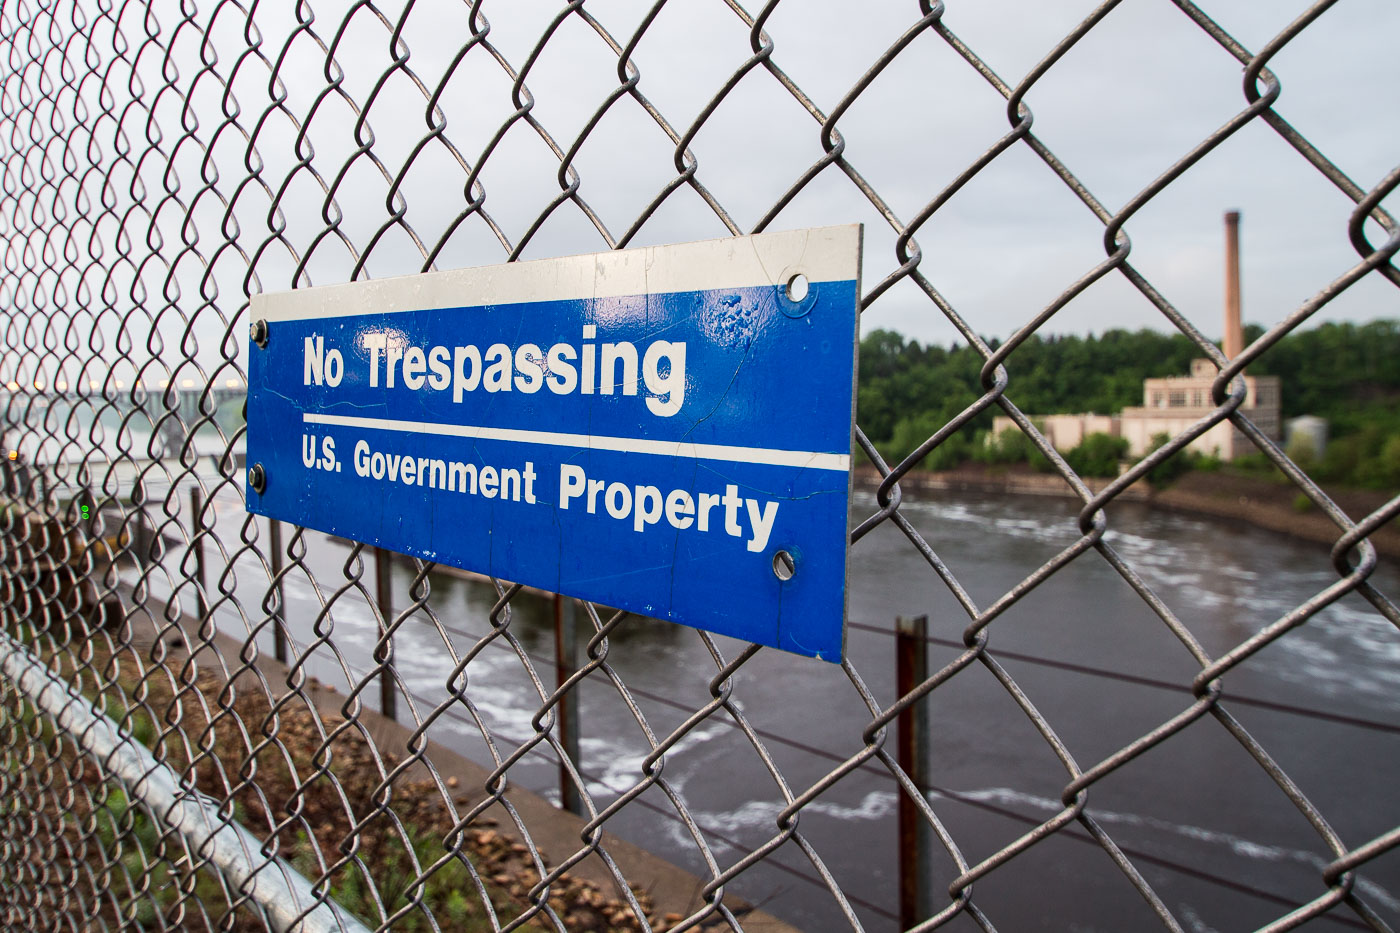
(1178, 464)
(1347, 373)
(1099, 454)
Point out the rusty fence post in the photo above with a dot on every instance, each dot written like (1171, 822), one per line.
(915, 834)
(565, 663)
(279, 619)
(383, 584)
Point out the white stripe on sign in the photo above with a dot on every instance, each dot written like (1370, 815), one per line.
(805, 459)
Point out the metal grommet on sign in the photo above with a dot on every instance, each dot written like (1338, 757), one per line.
(257, 478)
(258, 332)
(784, 565)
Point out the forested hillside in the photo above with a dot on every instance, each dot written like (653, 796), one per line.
(1347, 373)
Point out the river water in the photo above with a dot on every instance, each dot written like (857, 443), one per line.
(1216, 838)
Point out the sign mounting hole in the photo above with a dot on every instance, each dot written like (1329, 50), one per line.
(783, 565)
(797, 288)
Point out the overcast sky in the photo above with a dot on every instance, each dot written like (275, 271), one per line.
(1143, 88)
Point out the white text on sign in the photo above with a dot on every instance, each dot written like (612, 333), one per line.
(606, 369)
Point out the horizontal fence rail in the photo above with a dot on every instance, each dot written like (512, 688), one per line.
(1092, 714)
(279, 891)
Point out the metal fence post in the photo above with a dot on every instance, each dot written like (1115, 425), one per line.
(915, 834)
(197, 543)
(137, 542)
(85, 500)
(279, 630)
(565, 655)
(388, 698)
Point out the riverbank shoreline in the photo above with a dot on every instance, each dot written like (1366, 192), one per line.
(1272, 506)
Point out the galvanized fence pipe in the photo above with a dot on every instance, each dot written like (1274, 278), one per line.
(281, 893)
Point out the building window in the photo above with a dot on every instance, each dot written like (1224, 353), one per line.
(1157, 400)
(1176, 398)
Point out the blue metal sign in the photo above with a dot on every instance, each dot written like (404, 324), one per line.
(663, 430)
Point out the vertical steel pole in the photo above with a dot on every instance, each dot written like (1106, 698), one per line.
(88, 519)
(196, 513)
(915, 834)
(565, 655)
(279, 619)
(83, 561)
(388, 698)
(139, 543)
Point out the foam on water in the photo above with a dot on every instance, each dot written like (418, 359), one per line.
(1236, 845)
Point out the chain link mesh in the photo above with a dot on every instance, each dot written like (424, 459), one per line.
(162, 161)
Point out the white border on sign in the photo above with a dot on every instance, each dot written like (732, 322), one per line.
(823, 254)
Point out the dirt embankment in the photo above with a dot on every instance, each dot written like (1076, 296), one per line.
(1276, 506)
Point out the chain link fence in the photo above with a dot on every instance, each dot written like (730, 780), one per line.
(209, 721)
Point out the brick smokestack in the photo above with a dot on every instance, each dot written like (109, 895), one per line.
(1233, 341)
